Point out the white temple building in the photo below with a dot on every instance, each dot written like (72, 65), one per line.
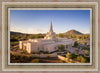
(49, 43)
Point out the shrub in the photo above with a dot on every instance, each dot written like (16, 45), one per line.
(68, 55)
(38, 52)
(41, 51)
(75, 44)
(35, 61)
(86, 52)
(31, 57)
(85, 43)
(81, 59)
(32, 52)
(73, 56)
(24, 51)
(77, 51)
(13, 40)
(61, 61)
(87, 59)
(17, 56)
(85, 48)
(61, 47)
(23, 57)
(60, 35)
(48, 56)
(67, 60)
(46, 52)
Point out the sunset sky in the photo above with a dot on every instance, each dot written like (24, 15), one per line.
(38, 21)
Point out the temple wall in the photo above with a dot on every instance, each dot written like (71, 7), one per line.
(34, 47)
(28, 47)
(43, 45)
(20, 44)
(49, 48)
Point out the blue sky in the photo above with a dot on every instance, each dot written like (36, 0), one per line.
(38, 21)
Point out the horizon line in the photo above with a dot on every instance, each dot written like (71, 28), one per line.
(46, 32)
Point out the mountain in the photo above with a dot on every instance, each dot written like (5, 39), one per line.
(74, 32)
(13, 33)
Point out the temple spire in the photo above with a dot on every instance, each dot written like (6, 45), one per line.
(51, 29)
(51, 35)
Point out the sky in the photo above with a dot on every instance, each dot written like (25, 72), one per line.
(38, 21)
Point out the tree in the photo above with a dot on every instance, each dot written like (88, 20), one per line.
(68, 56)
(35, 61)
(46, 52)
(48, 56)
(32, 52)
(75, 43)
(85, 48)
(73, 56)
(85, 43)
(86, 52)
(61, 47)
(77, 51)
(13, 39)
(81, 59)
(60, 35)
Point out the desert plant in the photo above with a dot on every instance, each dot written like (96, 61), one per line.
(68, 56)
(48, 56)
(13, 39)
(81, 59)
(85, 43)
(35, 61)
(85, 48)
(61, 47)
(73, 56)
(86, 52)
(32, 52)
(24, 51)
(38, 52)
(77, 51)
(46, 52)
(31, 57)
(23, 57)
(75, 44)
(17, 56)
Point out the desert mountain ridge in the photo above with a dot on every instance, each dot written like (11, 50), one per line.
(74, 32)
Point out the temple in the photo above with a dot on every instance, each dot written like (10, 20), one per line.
(51, 35)
(49, 43)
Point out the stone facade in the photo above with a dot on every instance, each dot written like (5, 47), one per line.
(49, 44)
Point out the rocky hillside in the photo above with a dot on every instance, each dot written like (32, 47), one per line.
(13, 33)
(74, 32)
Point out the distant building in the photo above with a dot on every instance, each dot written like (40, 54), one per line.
(49, 43)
